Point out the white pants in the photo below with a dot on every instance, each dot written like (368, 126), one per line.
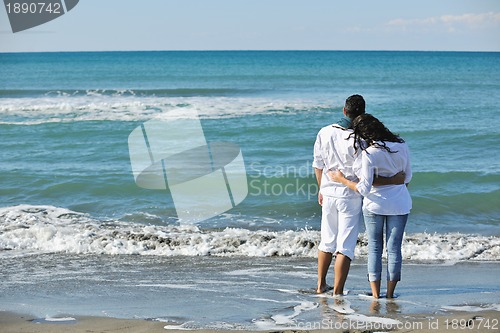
(340, 224)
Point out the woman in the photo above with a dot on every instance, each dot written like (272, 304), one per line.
(383, 154)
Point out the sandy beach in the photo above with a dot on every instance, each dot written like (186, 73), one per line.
(486, 321)
(228, 294)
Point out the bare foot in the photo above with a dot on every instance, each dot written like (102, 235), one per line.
(323, 289)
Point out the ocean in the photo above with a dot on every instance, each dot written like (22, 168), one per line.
(78, 236)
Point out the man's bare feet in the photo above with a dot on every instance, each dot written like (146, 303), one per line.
(323, 289)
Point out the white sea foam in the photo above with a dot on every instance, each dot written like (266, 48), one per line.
(166, 285)
(282, 319)
(471, 308)
(27, 229)
(30, 111)
(54, 320)
(181, 327)
(381, 321)
(62, 319)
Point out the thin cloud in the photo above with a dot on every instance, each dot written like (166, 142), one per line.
(451, 22)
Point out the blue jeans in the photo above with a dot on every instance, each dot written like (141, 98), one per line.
(394, 230)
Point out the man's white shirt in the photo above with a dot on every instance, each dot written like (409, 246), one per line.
(334, 150)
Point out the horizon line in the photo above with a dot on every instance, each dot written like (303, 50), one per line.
(249, 50)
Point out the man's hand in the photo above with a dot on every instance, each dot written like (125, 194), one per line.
(399, 178)
(320, 199)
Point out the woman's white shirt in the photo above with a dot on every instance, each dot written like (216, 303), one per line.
(386, 199)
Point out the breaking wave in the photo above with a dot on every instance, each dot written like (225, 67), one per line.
(28, 230)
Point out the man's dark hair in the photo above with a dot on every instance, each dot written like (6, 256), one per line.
(354, 106)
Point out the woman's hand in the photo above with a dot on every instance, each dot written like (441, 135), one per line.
(336, 176)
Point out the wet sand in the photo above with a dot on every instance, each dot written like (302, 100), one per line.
(486, 321)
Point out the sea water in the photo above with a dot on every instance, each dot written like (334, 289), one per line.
(67, 187)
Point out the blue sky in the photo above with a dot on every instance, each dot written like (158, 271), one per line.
(112, 25)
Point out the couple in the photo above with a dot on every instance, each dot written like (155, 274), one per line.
(361, 168)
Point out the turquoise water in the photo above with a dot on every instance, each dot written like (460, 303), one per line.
(65, 119)
(79, 237)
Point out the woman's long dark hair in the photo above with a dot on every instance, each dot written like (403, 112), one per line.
(372, 131)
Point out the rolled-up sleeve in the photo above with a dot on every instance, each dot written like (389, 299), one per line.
(318, 162)
(408, 171)
(365, 175)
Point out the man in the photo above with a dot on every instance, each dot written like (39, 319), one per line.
(341, 206)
